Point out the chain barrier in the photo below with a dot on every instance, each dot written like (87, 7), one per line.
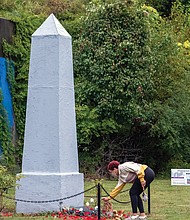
(113, 198)
(68, 197)
(106, 194)
(49, 201)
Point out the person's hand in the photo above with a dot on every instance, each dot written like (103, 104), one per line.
(105, 199)
(143, 184)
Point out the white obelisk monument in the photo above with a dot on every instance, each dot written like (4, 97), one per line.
(50, 157)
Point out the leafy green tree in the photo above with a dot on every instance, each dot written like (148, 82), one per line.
(127, 67)
(164, 7)
(113, 68)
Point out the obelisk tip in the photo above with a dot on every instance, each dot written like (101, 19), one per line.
(51, 26)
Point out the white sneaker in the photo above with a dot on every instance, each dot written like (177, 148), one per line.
(132, 217)
(142, 217)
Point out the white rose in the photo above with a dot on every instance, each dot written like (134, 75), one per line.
(81, 209)
(91, 200)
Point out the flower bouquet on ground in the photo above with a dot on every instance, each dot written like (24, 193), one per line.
(88, 213)
(107, 210)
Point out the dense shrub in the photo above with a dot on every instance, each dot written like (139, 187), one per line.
(127, 66)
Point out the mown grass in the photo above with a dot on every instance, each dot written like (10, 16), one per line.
(167, 202)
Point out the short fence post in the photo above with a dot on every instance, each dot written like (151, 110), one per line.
(149, 199)
(99, 200)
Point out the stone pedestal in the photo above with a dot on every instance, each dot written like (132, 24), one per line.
(42, 187)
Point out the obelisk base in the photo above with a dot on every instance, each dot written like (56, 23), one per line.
(46, 187)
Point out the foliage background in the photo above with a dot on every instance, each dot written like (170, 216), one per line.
(131, 68)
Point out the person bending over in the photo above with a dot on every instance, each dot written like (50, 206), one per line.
(139, 175)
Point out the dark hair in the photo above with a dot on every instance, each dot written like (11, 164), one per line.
(113, 164)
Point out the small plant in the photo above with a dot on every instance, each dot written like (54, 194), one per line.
(7, 181)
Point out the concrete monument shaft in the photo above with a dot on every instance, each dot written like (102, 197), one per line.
(50, 157)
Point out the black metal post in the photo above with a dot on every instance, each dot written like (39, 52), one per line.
(149, 199)
(99, 200)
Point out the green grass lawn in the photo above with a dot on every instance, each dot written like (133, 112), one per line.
(167, 202)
